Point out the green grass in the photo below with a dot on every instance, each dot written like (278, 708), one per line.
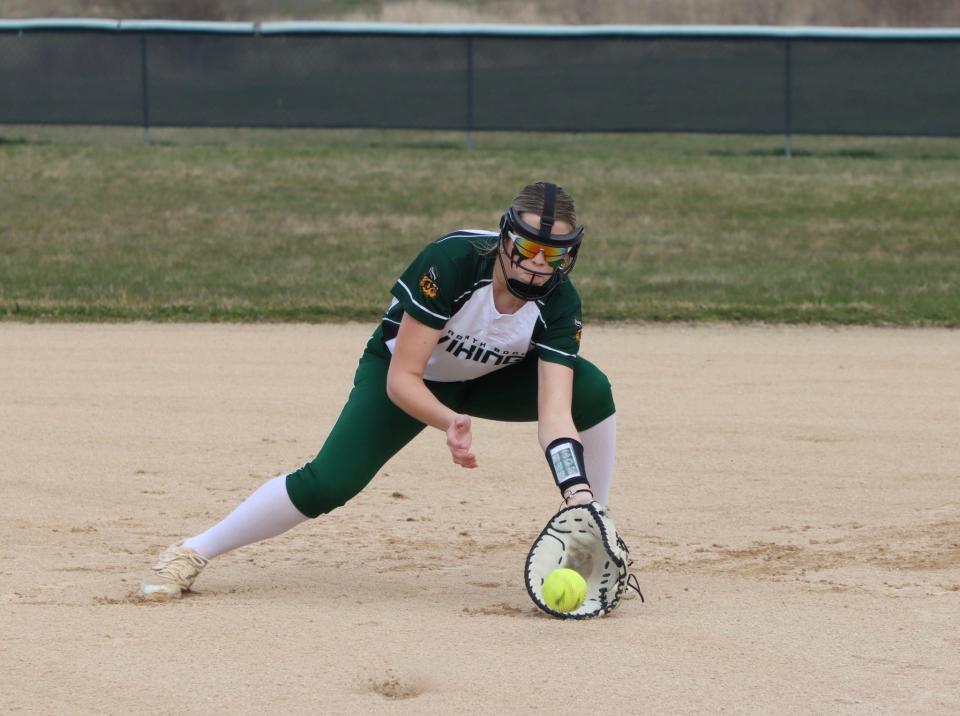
(233, 225)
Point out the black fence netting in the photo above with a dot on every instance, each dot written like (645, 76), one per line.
(649, 85)
(54, 78)
(905, 88)
(307, 81)
(458, 78)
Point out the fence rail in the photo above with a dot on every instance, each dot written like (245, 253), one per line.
(610, 78)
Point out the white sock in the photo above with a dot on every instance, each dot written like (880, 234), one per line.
(599, 450)
(268, 512)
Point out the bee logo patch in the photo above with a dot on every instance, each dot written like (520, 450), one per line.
(428, 283)
(579, 333)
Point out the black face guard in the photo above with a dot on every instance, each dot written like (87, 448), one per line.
(511, 222)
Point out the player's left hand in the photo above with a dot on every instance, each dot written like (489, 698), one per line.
(582, 538)
(459, 439)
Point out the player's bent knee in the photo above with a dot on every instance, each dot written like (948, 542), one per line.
(313, 495)
(592, 395)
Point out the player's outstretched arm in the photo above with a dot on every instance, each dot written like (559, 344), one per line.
(554, 398)
(558, 434)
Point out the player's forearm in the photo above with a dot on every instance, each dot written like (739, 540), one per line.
(555, 396)
(553, 426)
(561, 444)
(409, 393)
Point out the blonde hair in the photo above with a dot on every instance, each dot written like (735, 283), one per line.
(530, 199)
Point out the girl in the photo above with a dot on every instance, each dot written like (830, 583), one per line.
(483, 324)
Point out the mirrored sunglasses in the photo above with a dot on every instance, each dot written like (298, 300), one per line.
(554, 255)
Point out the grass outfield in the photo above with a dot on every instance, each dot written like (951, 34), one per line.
(232, 225)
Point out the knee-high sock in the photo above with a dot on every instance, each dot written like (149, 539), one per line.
(599, 449)
(266, 513)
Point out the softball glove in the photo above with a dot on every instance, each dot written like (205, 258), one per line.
(582, 538)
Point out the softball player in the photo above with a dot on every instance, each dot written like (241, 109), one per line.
(483, 324)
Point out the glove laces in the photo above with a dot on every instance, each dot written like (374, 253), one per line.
(634, 584)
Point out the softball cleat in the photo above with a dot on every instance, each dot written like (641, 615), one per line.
(175, 569)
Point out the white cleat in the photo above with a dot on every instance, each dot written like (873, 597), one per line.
(174, 572)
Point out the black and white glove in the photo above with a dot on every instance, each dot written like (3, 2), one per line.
(582, 538)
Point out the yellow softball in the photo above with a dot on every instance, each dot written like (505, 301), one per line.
(564, 590)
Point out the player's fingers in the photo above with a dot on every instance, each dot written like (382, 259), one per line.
(464, 458)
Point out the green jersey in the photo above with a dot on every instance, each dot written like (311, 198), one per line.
(449, 286)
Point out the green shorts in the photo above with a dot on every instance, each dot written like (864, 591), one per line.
(371, 429)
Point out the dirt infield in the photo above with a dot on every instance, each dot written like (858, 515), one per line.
(791, 497)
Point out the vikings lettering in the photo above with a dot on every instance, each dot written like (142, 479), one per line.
(467, 348)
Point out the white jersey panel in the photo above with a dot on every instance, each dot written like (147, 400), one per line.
(478, 339)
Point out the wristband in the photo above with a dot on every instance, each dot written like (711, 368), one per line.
(565, 458)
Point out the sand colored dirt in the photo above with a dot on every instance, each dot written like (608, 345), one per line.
(791, 497)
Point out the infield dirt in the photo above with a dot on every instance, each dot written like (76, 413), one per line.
(791, 497)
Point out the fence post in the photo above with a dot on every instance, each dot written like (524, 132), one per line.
(787, 108)
(469, 92)
(144, 88)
